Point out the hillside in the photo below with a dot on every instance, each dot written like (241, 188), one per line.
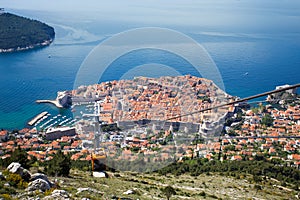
(19, 33)
(131, 186)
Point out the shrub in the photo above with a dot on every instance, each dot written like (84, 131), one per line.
(213, 196)
(14, 180)
(7, 190)
(257, 187)
(6, 196)
(48, 192)
(22, 184)
(168, 191)
(203, 194)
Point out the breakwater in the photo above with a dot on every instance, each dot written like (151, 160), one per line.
(36, 118)
(54, 102)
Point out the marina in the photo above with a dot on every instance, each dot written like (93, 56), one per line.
(47, 121)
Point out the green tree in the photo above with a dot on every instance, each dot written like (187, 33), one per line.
(231, 132)
(261, 108)
(255, 110)
(168, 191)
(60, 165)
(20, 156)
(267, 120)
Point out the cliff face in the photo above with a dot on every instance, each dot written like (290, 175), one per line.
(19, 33)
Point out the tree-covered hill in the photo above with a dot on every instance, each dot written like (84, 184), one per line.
(20, 33)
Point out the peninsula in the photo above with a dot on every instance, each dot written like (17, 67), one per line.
(19, 33)
(252, 151)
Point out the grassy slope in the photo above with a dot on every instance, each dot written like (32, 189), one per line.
(148, 187)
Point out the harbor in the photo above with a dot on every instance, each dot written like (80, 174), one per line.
(47, 119)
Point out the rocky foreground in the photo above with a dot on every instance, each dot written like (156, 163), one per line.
(126, 185)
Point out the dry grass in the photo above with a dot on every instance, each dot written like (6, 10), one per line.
(148, 186)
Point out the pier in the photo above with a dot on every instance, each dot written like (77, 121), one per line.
(63, 100)
(36, 118)
(54, 102)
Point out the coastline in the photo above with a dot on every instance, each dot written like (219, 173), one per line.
(38, 45)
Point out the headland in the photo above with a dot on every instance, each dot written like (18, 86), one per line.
(20, 33)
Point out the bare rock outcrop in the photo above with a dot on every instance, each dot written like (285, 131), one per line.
(41, 176)
(16, 168)
(38, 184)
(58, 194)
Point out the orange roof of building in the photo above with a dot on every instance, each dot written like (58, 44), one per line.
(3, 133)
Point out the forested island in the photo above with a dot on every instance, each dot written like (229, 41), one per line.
(19, 33)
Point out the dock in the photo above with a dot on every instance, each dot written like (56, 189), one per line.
(54, 102)
(36, 118)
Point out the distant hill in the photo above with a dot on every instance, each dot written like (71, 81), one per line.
(20, 33)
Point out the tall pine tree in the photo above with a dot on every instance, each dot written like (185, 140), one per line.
(60, 165)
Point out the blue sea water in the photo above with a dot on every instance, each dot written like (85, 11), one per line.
(249, 63)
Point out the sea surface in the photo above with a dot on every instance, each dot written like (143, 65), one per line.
(249, 63)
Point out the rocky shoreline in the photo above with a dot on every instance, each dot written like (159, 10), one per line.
(38, 45)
